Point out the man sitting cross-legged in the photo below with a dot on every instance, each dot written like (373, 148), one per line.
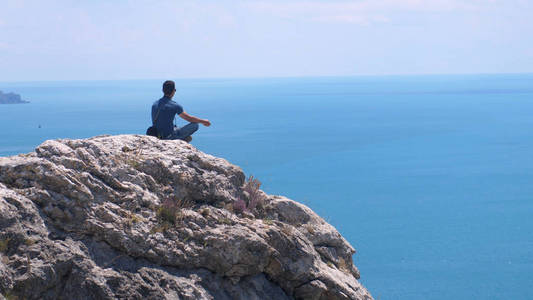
(164, 111)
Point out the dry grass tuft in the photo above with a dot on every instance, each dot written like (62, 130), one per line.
(205, 212)
(226, 220)
(286, 229)
(343, 265)
(268, 221)
(29, 241)
(169, 213)
(160, 228)
(254, 197)
(133, 218)
(4, 245)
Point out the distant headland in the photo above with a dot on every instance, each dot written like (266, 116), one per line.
(11, 98)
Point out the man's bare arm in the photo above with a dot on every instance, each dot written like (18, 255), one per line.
(185, 116)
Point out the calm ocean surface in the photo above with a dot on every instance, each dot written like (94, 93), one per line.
(429, 177)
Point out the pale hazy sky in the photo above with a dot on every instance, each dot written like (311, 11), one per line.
(127, 39)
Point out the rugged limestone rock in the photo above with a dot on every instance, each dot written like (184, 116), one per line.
(85, 219)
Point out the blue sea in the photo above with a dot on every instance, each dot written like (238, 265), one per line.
(430, 178)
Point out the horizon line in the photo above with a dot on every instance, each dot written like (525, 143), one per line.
(272, 77)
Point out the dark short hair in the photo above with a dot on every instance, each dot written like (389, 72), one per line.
(169, 87)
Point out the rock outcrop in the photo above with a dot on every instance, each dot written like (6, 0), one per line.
(11, 98)
(133, 217)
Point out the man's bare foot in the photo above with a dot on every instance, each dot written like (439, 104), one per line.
(188, 139)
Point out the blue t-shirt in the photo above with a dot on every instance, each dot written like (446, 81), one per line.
(168, 109)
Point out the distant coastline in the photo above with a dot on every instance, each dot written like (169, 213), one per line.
(11, 98)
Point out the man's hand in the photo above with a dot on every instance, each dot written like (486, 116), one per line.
(206, 123)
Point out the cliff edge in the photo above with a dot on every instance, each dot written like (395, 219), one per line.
(133, 217)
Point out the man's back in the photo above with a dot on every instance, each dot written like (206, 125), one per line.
(163, 112)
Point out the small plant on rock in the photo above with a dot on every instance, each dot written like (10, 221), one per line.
(268, 221)
(10, 296)
(343, 265)
(226, 221)
(4, 244)
(255, 198)
(29, 241)
(169, 214)
(251, 190)
(169, 211)
(240, 205)
(310, 228)
(205, 212)
(132, 218)
(287, 230)
(160, 228)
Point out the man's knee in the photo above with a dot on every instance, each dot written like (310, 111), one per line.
(195, 126)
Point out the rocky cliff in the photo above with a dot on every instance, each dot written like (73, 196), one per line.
(134, 217)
